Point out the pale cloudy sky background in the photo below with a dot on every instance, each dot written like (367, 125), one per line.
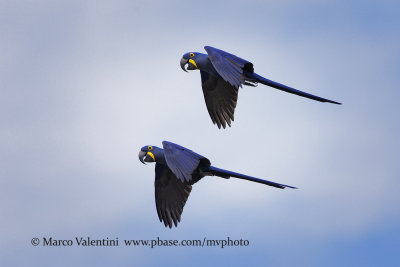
(85, 85)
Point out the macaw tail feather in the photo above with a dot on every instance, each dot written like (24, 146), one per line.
(288, 89)
(226, 174)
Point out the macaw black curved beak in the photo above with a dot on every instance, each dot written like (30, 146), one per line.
(142, 155)
(183, 63)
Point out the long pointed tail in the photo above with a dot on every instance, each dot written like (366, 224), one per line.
(227, 174)
(288, 89)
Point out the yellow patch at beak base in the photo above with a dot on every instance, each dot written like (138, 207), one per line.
(193, 62)
(151, 155)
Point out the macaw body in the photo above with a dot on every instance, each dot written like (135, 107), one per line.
(222, 74)
(177, 169)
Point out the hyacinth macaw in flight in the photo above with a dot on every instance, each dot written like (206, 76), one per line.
(177, 169)
(221, 76)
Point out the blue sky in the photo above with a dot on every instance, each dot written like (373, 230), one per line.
(85, 85)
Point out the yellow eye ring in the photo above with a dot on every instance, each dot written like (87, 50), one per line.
(149, 147)
(191, 55)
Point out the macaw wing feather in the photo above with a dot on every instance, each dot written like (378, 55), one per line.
(221, 99)
(182, 161)
(229, 66)
(170, 195)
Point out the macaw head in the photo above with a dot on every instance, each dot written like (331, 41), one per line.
(190, 59)
(150, 154)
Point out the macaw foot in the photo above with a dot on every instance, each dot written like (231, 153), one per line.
(248, 83)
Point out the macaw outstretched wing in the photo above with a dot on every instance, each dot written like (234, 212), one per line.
(182, 161)
(170, 194)
(220, 97)
(229, 66)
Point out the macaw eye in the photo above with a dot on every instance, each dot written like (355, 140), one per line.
(191, 55)
(150, 148)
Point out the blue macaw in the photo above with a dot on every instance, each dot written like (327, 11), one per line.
(221, 76)
(177, 169)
